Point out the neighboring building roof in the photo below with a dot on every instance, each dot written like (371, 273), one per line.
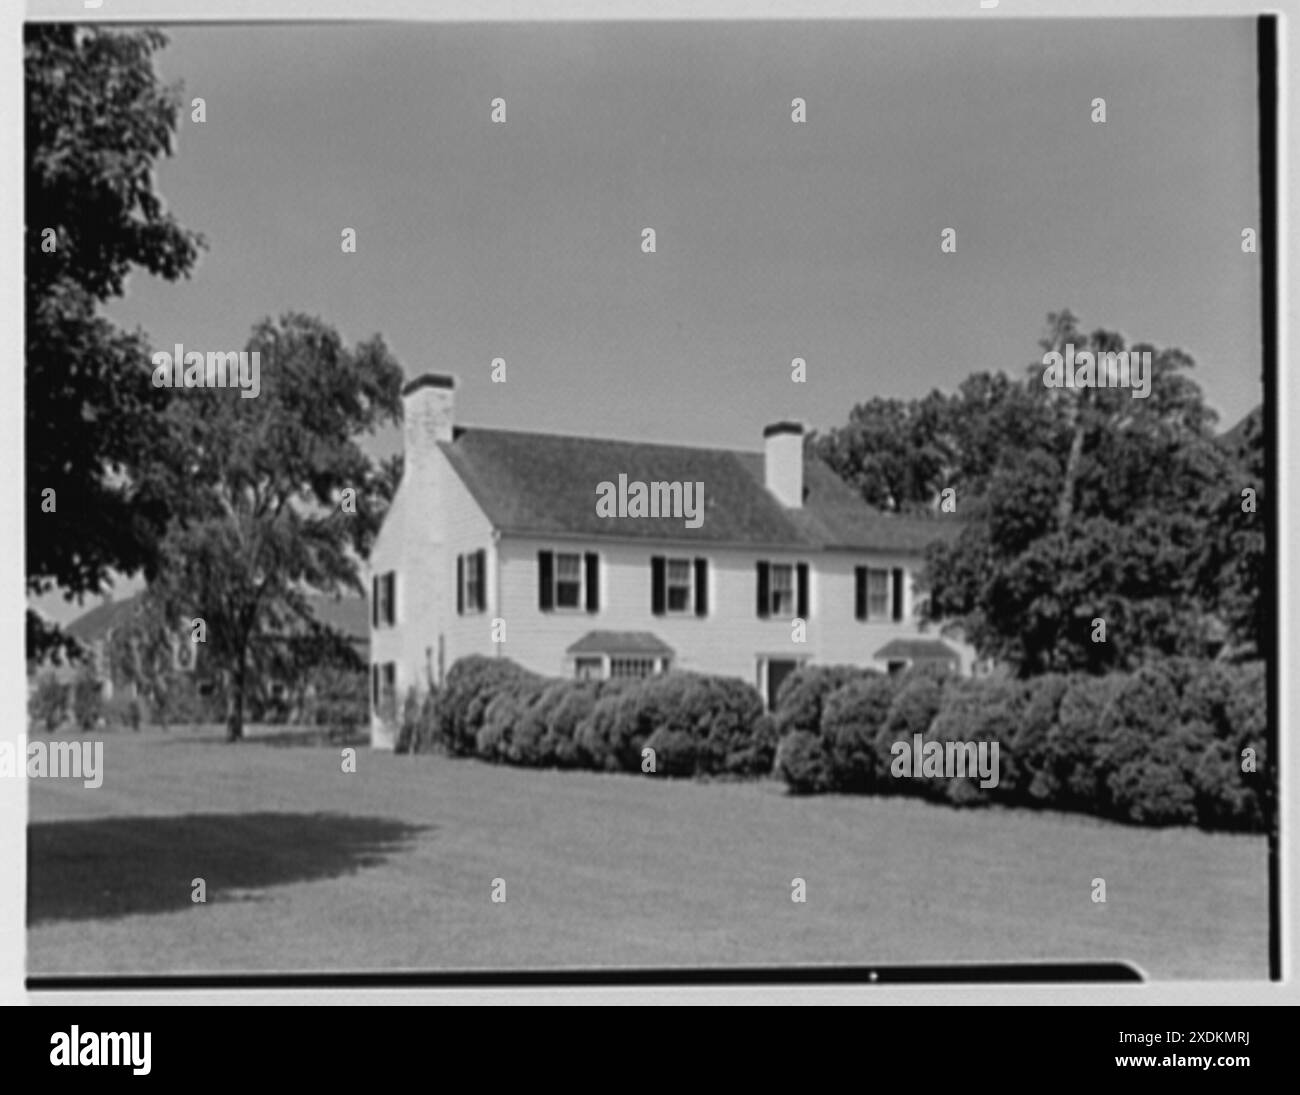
(918, 650)
(348, 614)
(538, 484)
(92, 626)
(621, 642)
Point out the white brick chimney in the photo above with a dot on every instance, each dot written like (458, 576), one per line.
(783, 462)
(428, 415)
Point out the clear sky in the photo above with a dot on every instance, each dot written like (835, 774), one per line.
(774, 240)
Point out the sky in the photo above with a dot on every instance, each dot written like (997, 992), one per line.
(774, 240)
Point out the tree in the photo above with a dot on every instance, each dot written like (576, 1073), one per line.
(97, 121)
(1101, 517)
(1235, 563)
(271, 496)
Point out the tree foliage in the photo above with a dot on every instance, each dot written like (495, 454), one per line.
(272, 498)
(97, 122)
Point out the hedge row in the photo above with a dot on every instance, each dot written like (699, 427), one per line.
(494, 709)
(1164, 745)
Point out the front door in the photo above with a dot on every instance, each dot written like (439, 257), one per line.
(777, 671)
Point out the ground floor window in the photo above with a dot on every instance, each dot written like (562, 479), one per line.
(588, 669)
(632, 667)
(383, 690)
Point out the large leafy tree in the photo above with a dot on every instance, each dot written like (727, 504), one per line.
(1077, 505)
(1081, 550)
(272, 497)
(97, 122)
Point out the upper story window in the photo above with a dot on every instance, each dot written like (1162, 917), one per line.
(879, 593)
(568, 580)
(383, 599)
(783, 590)
(679, 586)
(471, 582)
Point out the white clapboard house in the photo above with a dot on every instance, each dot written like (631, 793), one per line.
(495, 545)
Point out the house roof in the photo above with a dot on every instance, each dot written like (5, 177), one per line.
(540, 484)
(347, 614)
(620, 642)
(918, 650)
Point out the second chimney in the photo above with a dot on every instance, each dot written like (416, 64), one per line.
(428, 415)
(783, 462)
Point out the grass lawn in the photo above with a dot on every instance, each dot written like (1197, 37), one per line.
(308, 868)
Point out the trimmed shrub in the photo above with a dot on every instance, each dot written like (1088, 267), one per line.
(756, 755)
(916, 703)
(852, 717)
(1142, 753)
(471, 685)
(802, 762)
(506, 712)
(977, 711)
(1037, 783)
(803, 693)
(696, 725)
(1073, 742)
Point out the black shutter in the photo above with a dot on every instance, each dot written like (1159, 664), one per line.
(480, 563)
(545, 581)
(374, 687)
(374, 601)
(460, 585)
(764, 598)
(593, 582)
(898, 593)
(701, 587)
(860, 593)
(390, 603)
(801, 571)
(658, 597)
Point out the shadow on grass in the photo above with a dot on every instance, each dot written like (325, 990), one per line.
(110, 867)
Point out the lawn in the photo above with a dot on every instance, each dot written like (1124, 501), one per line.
(309, 868)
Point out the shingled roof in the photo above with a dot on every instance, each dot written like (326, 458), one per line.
(347, 614)
(537, 484)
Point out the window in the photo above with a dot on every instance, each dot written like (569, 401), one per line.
(631, 667)
(589, 669)
(878, 593)
(384, 689)
(783, 590)
(471, 582)
(679, 585)
(568, 581)
(383, 596)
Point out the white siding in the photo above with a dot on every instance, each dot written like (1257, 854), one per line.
(431, 522)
